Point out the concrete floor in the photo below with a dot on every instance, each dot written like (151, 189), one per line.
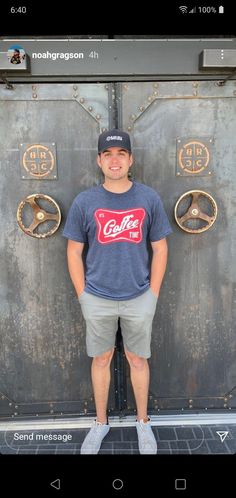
(197, 434)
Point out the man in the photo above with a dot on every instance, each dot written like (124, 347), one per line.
(16, 57)
(116, 220)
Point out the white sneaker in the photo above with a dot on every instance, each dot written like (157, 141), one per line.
(146, 439)
(93, 440)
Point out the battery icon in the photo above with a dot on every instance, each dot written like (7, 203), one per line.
(221, 9)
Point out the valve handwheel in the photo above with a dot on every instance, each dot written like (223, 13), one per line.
(195, 211)
(39, 204)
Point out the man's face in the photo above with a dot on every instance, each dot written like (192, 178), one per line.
(115, 163)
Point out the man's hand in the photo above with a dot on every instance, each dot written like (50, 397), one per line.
(75, 265)
(158, 266)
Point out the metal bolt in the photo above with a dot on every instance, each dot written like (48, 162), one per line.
(141, 108)
(75, 95)
(81, 100)
(155, 93)
(98, 116)
(133, 117)
(75, 87)
(195, 93)
(156, 85)
(34, 87)
(34, 95)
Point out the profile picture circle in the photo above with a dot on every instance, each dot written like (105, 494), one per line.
(16, 54)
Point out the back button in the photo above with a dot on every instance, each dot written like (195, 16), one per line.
(56, 484)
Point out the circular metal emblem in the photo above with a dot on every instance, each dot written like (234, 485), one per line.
(38, 160)
(39, 216)
(195, 211)
(194, 157)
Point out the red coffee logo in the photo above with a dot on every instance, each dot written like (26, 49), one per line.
(114, 226)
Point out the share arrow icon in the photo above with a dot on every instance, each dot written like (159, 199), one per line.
(222, 434)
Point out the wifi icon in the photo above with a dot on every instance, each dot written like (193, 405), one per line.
(183, 9)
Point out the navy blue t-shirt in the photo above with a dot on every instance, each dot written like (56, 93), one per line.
(117, 228)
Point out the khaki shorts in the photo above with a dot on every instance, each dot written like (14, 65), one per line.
(101, 316)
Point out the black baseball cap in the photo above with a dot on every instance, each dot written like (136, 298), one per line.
(114, 138)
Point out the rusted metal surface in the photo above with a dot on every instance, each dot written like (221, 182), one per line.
(44, 365)
(42, 353)
(194, 340)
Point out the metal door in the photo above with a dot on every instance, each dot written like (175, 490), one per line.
(44, 365)
(48, 142)
(193, 361)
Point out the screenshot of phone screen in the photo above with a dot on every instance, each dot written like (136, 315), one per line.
(117, 240)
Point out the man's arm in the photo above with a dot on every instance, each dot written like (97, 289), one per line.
(75, 265)
(158, 265)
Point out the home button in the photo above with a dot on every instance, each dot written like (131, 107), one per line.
(117, 484)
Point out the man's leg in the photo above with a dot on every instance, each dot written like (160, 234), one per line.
(101, 316)
(101, 377)
(139, 373)
(101, 383)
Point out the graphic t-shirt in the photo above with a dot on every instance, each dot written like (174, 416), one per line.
(117, 229)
